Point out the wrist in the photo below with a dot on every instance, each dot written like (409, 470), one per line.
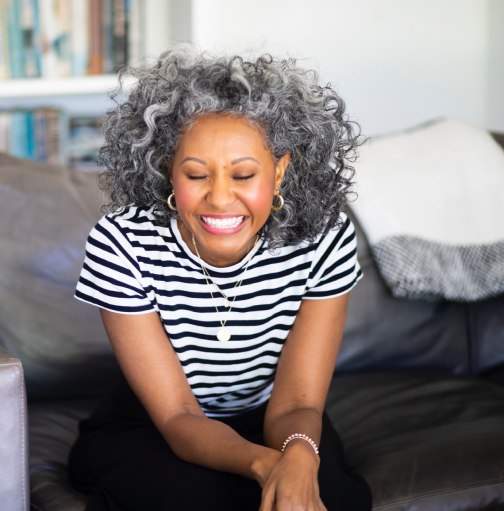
(261, 467)
(300, 448)
(303, 437)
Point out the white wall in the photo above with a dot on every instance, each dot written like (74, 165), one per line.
(397, 63)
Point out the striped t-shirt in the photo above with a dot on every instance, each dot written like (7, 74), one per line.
(133, 265)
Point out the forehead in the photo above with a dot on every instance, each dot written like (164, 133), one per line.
(223, 133)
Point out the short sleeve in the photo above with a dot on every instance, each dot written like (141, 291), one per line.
(111, 277)
(335, 269)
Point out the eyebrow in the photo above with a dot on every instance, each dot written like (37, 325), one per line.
(191, 158)
(239, 160)
(234, 162)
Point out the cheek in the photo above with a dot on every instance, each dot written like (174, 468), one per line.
(186, 196)
(259, 200)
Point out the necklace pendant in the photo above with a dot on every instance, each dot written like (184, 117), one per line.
(223, 335)
(226, 303)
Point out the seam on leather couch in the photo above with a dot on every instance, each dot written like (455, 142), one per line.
(24, 455)
(21, 413)
(441, 492)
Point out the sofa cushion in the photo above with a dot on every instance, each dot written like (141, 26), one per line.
(430, 202)
(53, 430)
(383, 331)
(46, 214)
(423, 441)
(486, 325)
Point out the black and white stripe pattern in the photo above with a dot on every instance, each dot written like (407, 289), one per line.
(134, 266)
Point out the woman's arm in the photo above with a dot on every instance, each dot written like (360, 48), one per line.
(304, 372)
(155, 374)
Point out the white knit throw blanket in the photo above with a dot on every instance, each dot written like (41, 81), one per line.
(431, 202)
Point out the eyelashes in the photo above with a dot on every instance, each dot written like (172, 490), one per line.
(236, 178)
(243, 178)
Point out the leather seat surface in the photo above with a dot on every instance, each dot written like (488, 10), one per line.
(424, 442)
(53, 430)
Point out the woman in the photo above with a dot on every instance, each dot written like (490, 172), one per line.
(222, 273)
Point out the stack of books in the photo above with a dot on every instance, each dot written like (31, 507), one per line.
(59, 38)
(33, 134)
(48, 135)
(84, 141)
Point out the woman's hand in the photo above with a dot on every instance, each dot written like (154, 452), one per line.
(292, 483)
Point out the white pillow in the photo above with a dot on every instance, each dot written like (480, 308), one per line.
(431, 202)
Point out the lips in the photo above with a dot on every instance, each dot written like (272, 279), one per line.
(223, 225)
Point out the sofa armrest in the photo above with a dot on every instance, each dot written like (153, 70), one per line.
(14, 482)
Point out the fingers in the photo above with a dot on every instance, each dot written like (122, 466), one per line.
(268, 499)
(269, 504)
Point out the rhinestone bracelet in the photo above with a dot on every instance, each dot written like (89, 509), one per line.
(304, 437)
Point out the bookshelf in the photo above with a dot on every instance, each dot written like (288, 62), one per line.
(90, 93)
(88, 96)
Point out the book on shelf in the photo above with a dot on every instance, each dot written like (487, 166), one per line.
(79, 37)
(29, 23)
(120, 35)
(59, 38)
(84, 142)
(12, 13)
(107, 27)
(95, 37)
(135, 23)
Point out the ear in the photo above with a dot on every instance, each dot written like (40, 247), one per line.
(168, 168)
(281, 167)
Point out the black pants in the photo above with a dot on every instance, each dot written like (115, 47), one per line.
(124, 463)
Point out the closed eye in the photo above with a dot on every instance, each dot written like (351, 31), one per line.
(243, 178)
(195, 178)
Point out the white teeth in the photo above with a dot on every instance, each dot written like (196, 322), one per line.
(223, 223)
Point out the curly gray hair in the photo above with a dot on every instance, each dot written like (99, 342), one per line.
(293, 111)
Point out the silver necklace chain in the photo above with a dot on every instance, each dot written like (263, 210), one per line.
(223, 334)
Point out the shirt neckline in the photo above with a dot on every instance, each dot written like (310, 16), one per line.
(199, 262)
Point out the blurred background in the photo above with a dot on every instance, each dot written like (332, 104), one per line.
(396, 63)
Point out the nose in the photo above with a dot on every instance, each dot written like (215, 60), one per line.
(221, 194)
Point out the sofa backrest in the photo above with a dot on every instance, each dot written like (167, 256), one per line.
(46, 214)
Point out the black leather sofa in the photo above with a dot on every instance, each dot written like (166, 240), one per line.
(417, 394)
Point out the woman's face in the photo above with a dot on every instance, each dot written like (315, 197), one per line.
(224, 178)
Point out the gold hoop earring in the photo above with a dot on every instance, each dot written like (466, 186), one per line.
(169, 202)
(278, 208)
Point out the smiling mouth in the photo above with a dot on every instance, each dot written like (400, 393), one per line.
(223, 223)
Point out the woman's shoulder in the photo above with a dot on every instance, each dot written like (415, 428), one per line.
(130, 217)
(339, 237)
(336, 241)
(128, 221)
(132, 225)
(340, 232)
(333, 236)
